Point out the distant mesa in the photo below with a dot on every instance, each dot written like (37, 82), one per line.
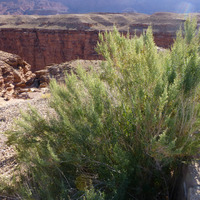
(43, 12)
(31, 7)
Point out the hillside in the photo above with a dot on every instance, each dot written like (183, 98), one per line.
(96, 21)
(31, 7)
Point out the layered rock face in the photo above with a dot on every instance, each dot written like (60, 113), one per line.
(15, 75)
(46, 47)
(42, 41)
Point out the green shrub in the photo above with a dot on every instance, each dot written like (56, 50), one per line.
(121, 133)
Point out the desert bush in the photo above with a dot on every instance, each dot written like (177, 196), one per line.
(121, 132)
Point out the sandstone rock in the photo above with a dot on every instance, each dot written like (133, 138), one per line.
(22, 90)
(40, 73)
(42, 78)
(15, 75)
(24, 95)
(43, 85)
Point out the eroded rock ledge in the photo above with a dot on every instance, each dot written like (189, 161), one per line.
(15, 75)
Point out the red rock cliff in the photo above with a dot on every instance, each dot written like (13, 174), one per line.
(42, 41)
(44, 47)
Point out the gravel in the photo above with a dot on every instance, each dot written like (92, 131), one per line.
(9, 112)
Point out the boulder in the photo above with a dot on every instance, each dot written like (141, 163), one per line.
(42, 78)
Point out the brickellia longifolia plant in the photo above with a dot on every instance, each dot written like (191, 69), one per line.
(120, 132)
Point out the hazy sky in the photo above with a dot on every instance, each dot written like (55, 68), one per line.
(145, 6)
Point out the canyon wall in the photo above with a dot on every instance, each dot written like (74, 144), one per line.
(45, 47)
(43, 41)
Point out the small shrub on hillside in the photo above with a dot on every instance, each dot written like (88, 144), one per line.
(121, 133)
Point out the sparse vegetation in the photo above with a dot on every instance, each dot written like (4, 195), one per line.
(121, 133)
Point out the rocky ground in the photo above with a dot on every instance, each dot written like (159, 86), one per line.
(37, 97)
(9, 112)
